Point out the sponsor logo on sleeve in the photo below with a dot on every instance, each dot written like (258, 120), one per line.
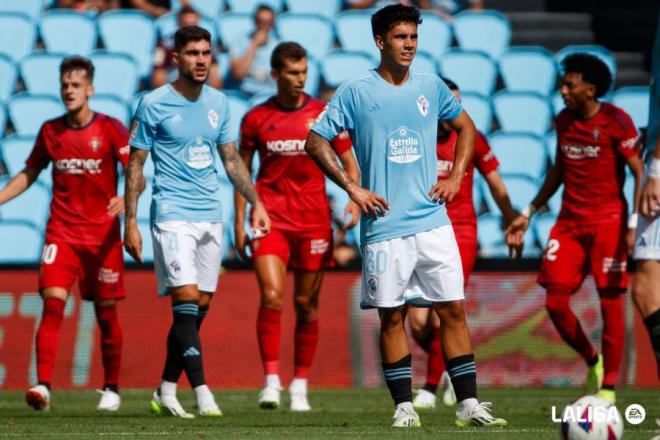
(629, 143)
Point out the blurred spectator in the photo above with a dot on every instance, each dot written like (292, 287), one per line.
(96, 6)
(164, 68)
(250, 58)
(376, 4)
(448, 8)
(152, 7)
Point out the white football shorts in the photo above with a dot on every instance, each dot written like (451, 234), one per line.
(187, 253)
(647, 238)
(419, 269)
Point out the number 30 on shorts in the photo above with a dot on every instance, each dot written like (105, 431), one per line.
(49, 253)
(376, 262)
(551, 249)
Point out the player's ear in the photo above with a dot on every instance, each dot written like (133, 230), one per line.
(90, 90)
(175, 57)
(380, 43)
(273, 74)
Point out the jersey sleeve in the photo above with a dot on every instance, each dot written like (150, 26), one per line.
(248, 133)
(342, 143)
(484, 158)
(448, 106)
(143, 129)
(224, 135)
(336, 117)
(119, 137)
(627, 143)
(38, 158)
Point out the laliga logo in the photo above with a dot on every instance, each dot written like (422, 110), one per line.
(588, 414)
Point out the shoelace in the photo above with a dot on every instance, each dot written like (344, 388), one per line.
(482, 409)
(401, 412)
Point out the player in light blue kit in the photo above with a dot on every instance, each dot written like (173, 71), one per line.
(409, 251)
(181, 124)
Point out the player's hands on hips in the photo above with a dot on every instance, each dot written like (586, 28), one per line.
(133, 241)
(260, 222)
(445, 190)
(369, 203)
(241, 243)
(649, 204)
(352, 210)
(116, 206)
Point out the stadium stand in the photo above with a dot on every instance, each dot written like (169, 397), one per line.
(40, 73)
(528, 69)
(605, 54)
(325, 8)
(491, 239)
(424, 63)
(434, 35)
(238, 106)
(8, 75)
(551, 145)
(115, 74)
(30, 8)
(31, 206)
(208, 8)
(543, 224)
(166, 26)
(248, 6)
(27, 112)
(554, 204)
(68, 32)
(519, 153)
(234, 27)
(488, 31)
(472, 71)
(15, 150)
(21, 242)
(339, 66)
(634, 100)
(111, 106)
(353, 30)
(313, 32)
(557, 102)
(522, 112)
(480, 110)
(18, 36)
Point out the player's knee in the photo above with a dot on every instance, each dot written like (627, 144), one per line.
(451, 313)
(418, 329)
(102, 303)
(391, 320)
(557, 300)
(272, 299)
(305, 306)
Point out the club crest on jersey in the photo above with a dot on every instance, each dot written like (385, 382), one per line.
(213, 118)
(95, 144)
(596, 134)
(422, 105)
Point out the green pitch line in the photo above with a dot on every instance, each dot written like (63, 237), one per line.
(344, 414)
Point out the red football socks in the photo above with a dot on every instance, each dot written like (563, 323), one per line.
(565, 321)
(268, 334)
(47, 336)
(306, 340)
(111, 343)
(611, 306)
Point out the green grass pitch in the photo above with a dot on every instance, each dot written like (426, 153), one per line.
(344, 414)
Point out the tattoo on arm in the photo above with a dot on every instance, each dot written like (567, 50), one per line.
(237, 172)
(135, 182)
(319, 149)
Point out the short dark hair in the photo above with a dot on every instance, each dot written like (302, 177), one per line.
(187, 34)
(186, 9)
(76, 62)
(263, 7)
(287, 50)
(386, 18)
(593, 70)
(451, 84)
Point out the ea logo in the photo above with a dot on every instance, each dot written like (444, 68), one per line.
(635, 414)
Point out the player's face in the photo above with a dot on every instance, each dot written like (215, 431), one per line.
(291, 78)
(194, 61)
(444, 129)
(575, 91)
(399, 44)
(75, 89)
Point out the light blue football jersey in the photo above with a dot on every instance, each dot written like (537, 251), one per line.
(394, 130)
(182, 136)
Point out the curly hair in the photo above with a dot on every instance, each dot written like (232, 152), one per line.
(593, 70)
(386, 18)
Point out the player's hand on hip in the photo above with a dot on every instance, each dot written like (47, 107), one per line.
(116, 206)
(369, 203)
(650, 198)
(241, 238)
(353, 212)
(445, 190)
(260, 222)
(133, 241)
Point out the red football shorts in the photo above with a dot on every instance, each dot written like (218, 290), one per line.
(573, 251)
(309, 251)
(98, 269)
(466, 237)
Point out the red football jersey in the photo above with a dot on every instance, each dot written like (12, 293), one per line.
(591, 158)
(84, 177)
(461, 209)
(289, 182)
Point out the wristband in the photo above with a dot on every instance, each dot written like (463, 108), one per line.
(632, 221)
(528, 210)
(654, 168)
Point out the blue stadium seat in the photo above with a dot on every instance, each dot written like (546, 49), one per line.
(15, 150)
(41, 73)
(248, 6)
(31, 8)
(326, 8)
(32, 206)
(543, 225)
(491, 236)
(477, 196)
(629, 189)
(526, 112)
(521, 190)
(423, 62)
(434, 35)
(18, 34)
(603, 53)
(68, 32)
(472, 71)
(21, 243)
(528, 69)
(167, 25)
(259, 98)
(111, 106)
(479, 109)
(339, 66)
(557, 103)
(554, 204)
(233, 28)
(519, 153)
(635, 102)
(314, 32)
(224, 61)
(353, 30)
(115, 74)
(208, 8)
(238, 106)
(130, 32)
(488, 31)
(3, 120)
(27, 112)
(7, 78)
(551, 145)
(313, 82)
